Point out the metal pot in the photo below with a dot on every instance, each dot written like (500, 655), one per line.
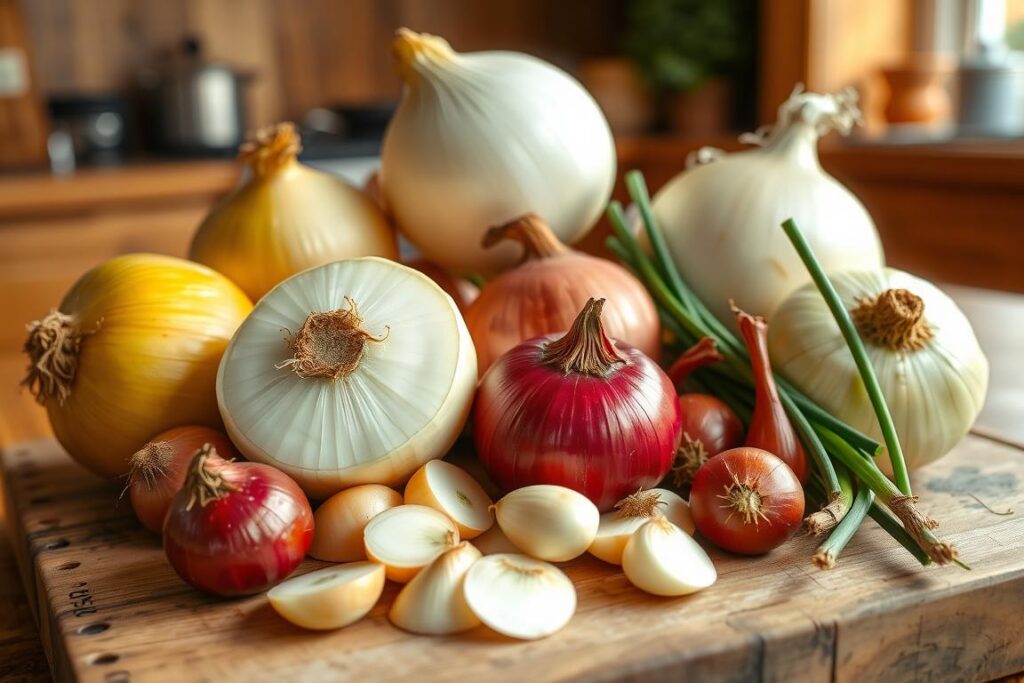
(196, 106)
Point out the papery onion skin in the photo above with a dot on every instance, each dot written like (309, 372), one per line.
(604, 437)
(545, 292)
(288, 217)
(780, 501)
(340, 521)
(711, 421)
(481, 138)
(247, 540)
(159, 469)
(152, 330)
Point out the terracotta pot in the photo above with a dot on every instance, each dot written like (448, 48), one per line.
(706, 110)
(918, 90)
(623, 96)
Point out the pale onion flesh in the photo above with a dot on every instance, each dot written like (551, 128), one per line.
(494, 541)
(434, 602)
(483, 137)
(552, 523)
(721, 219)
(934, 392)
(450, 490)
(519, 596)
(662, 559)
(329, 598)
(341, 519)
(617, 526)
(407, 538)
(403, 404)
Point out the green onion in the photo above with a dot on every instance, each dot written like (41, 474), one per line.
(860, 355)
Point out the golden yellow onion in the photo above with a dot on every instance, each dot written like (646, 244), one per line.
(288, 217)
(132, 351)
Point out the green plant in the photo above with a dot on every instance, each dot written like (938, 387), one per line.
(678, 44)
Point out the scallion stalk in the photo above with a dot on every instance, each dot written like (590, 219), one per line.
(860, 355)
(828, 552)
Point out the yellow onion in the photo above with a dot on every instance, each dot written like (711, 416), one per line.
(288, 217)
(546, 291)
(132, 351)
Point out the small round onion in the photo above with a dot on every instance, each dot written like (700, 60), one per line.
(580, 411)
(236, 528)
(341, 519)
(158, 469)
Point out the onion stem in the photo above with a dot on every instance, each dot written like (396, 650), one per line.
(860, 355)
(828, 552)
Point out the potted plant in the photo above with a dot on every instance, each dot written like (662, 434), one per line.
(689, 52)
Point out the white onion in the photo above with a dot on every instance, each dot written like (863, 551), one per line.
(482, 138)
(403, 403)
(721, 219)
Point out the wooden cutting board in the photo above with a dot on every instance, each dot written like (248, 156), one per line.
(109, 608)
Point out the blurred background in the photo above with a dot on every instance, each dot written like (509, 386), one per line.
(119, 119)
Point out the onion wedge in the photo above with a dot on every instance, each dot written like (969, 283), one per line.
(633, 512)
(407, 538)
(451, 490)
(329, 598)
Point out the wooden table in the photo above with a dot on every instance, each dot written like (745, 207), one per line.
(998, 318)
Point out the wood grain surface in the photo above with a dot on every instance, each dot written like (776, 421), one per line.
(111, 609)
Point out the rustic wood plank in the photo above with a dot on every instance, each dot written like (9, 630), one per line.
(112, 609)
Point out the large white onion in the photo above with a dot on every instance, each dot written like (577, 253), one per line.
(930, 368)
(402, 404)
(721, 219)
(482, 138)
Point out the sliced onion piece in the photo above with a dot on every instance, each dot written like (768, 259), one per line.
(633, 512)
(329, 598)
(434, 602)
(452, 491)
(407, 538)
(519, 596)
(553, 523)
(341, 519)
(662, 559)
(494, 541)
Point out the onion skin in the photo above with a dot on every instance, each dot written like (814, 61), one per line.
(545, 292)
(159, 469)
(709, 420)
(780, 494)
(604, 437)
(246, 540)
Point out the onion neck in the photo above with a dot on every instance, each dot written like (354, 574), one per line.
(538, 240)
(754, 331)
(798, 141)
(52, 346)
(271, 149)
(204, 482)
(585, 349)
(330, 344)
(412, 50)
(894, 320)
(704, 352)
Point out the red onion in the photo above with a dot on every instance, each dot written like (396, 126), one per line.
(236, 528)
(579, 410)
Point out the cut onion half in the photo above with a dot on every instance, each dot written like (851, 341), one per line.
(662, 559)
(633, 512)
(407, 538)
(341, 519)
(519, 596)
(434, 602)
(329, 598)
(452, 491)
(552, 523)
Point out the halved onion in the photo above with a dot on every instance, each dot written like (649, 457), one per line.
(662, 559)
(494, 541)
(341, 519)
(329, 598)
(519, 596)
(375, 376)
(553, 523)
(630, 514)
(407, 538)
(434, 603)
(450, 490)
